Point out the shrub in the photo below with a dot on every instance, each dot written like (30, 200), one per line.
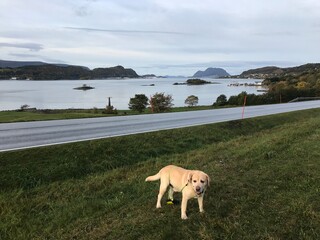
(160, 102)
(221, 100)
(138, 103)
(24, 107)
(191, 100)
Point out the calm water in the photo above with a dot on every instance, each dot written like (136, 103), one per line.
(61, 95)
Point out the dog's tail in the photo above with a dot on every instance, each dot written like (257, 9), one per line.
(153, 178)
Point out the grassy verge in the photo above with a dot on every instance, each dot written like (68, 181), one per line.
(40, 115)
(264, 171)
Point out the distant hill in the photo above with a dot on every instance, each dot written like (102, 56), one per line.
(15, 64)
(118, 71)
(212, 72)
(261, 71)
(45, 71)
(271, 71)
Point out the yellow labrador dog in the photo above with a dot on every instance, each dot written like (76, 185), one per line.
(191, 183)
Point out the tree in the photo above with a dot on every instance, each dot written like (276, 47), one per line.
(24, 107)
(191, 100)
(161, 103)
(221, 100)
(138, 103)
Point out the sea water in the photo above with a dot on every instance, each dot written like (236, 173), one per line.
(60, 94)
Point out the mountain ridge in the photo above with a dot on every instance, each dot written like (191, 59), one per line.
(273, 71)
(46, 71)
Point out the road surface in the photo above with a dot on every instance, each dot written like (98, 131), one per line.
(15, 136)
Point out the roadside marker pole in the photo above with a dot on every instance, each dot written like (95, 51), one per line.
(244, 105)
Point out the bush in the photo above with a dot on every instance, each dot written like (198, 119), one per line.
(110, 110)
(24, 107)
(138, 103)
(160, 102)
(221, 100)
(191, 100)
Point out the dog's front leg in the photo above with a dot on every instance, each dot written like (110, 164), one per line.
(184, 203)
(200, 202)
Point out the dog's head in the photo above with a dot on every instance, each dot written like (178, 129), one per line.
(199, 181)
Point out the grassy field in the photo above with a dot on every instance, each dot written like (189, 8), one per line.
(26, 116)
(265, 184)
(40, 115)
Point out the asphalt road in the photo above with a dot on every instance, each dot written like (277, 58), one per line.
(15, 136)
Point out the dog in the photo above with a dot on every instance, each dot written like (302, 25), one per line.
(191, 183)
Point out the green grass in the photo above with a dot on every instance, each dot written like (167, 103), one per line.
(265, 184)
(40, 115)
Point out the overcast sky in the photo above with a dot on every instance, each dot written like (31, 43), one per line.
(164, 37)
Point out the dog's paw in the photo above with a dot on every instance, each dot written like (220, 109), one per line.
(184, 217)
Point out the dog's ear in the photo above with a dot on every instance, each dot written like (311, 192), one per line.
(190, 174)
(208, 180)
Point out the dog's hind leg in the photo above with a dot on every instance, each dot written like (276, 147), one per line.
(170, 193)
(163, 188)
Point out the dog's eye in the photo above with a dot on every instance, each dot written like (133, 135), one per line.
(202, 181)
(194, 181)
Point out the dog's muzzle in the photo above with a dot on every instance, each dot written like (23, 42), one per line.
(199, 191)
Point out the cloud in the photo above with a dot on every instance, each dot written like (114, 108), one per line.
(84, 9)
(230, 64)
(124, 31)
(22, 55)
(37, 57)
(35, 47)
(164, 35)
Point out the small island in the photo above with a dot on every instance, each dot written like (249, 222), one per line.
(84, 87)
(195, 81)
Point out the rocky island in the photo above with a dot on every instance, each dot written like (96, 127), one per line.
(195, 81)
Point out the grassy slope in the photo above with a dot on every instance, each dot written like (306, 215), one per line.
(265, 184)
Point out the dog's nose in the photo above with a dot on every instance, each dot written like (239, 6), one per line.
(198, 189)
